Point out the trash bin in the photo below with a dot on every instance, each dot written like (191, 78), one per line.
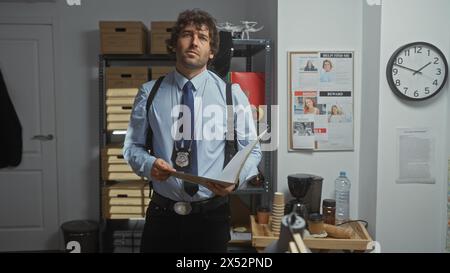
(81, 236)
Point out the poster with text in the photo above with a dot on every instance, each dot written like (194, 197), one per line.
(321, 94)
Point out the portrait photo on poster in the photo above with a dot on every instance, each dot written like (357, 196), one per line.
(327, 73)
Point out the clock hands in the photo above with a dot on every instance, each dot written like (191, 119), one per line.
(418, 71)
(407, 68)
(415, 71)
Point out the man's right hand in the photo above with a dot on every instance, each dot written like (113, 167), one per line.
(161, 170)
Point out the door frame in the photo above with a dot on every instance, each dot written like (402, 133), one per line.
(55, 25)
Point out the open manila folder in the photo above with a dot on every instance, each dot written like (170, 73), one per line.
(230, 174)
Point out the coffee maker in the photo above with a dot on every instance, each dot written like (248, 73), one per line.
(307, 191)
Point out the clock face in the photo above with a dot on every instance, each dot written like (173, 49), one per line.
(417, 71)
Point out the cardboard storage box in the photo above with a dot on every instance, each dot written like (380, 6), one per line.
(123, 37)
(126, 77)
(160, 32)
(120, 120)
(124, 200)
(158, 71)
(114, 166)
(126, 209)
(111, 126)
(118, 117)
(115, 159)
(125, 101)
(121, 92)
(122, 87)
(125, 109)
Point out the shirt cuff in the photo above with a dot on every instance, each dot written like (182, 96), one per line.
(147, 167)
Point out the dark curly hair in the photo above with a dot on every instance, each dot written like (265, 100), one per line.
(198, 18)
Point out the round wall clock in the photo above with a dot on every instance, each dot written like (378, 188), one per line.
(417, 71)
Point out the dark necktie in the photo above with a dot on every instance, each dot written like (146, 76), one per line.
(188, 100)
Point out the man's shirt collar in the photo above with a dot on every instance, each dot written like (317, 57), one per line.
(197, 81)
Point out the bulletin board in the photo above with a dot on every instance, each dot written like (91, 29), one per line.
(321, 87)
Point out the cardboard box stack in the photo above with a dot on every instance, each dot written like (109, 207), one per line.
(123, 37)
(122, 85)
(126, 200)
(114, 166)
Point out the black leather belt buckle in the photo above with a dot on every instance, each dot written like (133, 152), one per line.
(186, 208)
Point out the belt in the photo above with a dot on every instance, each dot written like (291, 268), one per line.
(185, 208)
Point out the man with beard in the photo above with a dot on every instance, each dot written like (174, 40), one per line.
(186, 217)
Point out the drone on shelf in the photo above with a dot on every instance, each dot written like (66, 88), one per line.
(240, 31)
(249, 26)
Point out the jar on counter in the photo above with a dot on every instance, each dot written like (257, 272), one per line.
(315, 223)
(262, 215)
(329, 211)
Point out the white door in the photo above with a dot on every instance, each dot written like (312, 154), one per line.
(28, 193)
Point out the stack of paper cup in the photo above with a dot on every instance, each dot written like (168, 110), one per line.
(277, 212)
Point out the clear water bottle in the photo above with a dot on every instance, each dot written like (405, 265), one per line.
(342, 187)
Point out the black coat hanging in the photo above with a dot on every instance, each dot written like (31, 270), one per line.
(11, 130)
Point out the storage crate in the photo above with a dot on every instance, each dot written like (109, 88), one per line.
(114, 166)
(159, 71)
(111, 126)
(124, 216)
(160, 32)
(123, 37)
(122, 87)
(124, 109)
(128, 101)
(124, 200)
(121, 92)
(126, 77)
(118, 117)
(125, 189)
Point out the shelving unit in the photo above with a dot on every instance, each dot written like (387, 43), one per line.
(247, 49)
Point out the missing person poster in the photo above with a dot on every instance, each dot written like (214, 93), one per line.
(321, 99)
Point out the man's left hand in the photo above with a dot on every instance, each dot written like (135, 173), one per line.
(219, 189)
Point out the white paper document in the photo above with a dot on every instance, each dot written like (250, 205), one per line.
(415, 155)
(230, 174)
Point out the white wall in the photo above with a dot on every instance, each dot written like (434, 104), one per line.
(368, 155)
(265, 13)
(77, 92)
(318, 25)
(411, 217)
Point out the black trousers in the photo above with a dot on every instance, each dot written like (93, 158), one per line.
(165, 231)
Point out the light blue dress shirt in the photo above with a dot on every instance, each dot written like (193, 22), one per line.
(209, 95)
(327, 76)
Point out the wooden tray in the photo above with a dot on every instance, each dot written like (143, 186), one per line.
(262, 236)
(359, 240)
